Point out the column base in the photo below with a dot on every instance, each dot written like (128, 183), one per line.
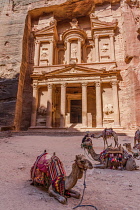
(117, 126)
(99, 126)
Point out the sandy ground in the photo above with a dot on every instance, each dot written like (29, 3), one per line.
(106, 189)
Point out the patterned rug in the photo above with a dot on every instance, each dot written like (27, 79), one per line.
(49, 170)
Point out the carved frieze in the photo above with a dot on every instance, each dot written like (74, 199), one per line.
(74, 23)
(108, 109)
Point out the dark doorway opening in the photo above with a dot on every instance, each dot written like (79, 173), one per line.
(76, 111)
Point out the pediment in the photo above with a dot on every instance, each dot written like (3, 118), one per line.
(97, 24)
(46, 31)
(75, 71)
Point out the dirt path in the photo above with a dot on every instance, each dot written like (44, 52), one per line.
(106, 189)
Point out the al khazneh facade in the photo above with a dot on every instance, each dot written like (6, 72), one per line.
(75, 75)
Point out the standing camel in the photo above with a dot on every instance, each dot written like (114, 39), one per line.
(48, 171)
(137, 137)
(107, 133)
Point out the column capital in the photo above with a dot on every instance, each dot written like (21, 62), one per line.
(37, 41)
(35, 86)
(114, 83)
(67, 41)
(111, 35)
(63, 85)
(98, 84)
(84, 84)
(49, 86)
(51, 41)
(80, 39)
(96, 36)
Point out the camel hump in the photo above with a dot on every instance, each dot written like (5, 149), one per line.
(108, 132)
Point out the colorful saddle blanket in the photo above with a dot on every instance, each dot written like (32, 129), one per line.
(49, 169)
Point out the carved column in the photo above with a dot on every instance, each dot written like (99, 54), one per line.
(115, 103)
(96, 48)
(51, 53)
(36, 56)
(68, 53)
(112, 51)
(99, 122)
(79, 51)
(34, 105)
(84, 104)
(49, 107)
(63, 105)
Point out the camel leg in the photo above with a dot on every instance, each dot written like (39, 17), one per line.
(101, 166)
(74, 194)
(58, 197)
(134, 141)
(105, 142)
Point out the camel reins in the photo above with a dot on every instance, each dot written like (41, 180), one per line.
(79, 205)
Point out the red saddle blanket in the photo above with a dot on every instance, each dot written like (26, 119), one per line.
(49, 168)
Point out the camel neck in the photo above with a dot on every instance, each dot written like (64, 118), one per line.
(91, 151)
(75, 174)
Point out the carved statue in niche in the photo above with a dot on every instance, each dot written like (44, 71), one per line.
(108, 109)
(74, 23)
(74, 52)
(61, 57)
(89, 54)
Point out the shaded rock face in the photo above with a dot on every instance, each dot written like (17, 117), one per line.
(16, 64)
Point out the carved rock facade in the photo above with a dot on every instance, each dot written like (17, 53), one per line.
(79, 71)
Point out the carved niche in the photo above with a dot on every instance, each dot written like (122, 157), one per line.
(89, 52)
(61, 56)
(104, 48)
(44, 54)
(73, 50)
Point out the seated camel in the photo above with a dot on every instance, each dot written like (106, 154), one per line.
(135, 151)
(107, 133)
(137, 137)
(137, 146)
(48, 171)
(113, 158)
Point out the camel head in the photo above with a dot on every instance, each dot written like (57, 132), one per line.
(83, 163)
(87, 142)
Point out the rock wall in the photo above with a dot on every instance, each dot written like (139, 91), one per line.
(16, 42)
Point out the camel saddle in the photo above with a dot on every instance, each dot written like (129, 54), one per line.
(118, 150)
(49, 168)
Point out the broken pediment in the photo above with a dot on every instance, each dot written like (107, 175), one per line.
(96, 24)
(48, 30)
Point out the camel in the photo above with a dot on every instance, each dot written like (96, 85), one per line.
(116, 158)
(44, 171)
(135, 151)
(137, 137)
(137, 146)
(107, 133)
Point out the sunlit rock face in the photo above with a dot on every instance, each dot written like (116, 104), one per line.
(17, 18)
